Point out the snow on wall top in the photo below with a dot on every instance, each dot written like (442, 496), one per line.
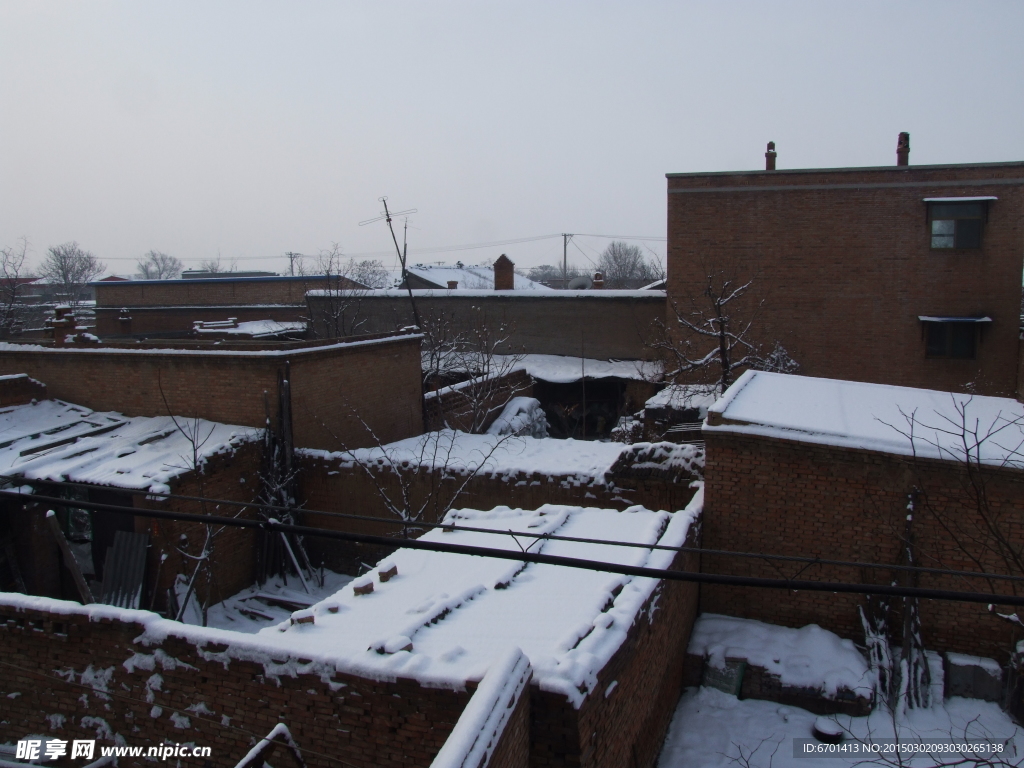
(101, 349)
(534, 293)
(54, 440)
(494, 455)
(876, 417)
(560, 369)
(810, 657)
(445, 619)
(683, 397)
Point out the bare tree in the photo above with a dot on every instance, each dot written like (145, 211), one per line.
(552, 276)
(625, 266)
(12, 265)
(217, 266)
(159, 266)
(713, 334)
(467, 370)
(70, 268)
(339, 306)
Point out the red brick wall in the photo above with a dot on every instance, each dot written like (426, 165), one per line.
(454, 408)
(328, 485)
(362, 722)
(788, 498)
(20, 389)
(589, 326)
(169, 319)
(217, 291)
(330, 386)
(513, 750)
(842, 260)
(626, 725)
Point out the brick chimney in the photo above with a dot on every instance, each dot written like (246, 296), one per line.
(504, 274)
(124, 321)
(453, 284)
(598, 281)
(769, 157)
(903, 149)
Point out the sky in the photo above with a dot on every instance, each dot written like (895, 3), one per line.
(247, 130)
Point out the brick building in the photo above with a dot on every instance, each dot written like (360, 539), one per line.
(818, 468)
(387, 672)
(344, 394)
(906, 275)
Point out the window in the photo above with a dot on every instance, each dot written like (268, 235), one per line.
(956, 223)
(954, 338)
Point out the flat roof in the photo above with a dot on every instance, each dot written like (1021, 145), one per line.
(877, 417)
(444, 619)
(852, 169)
(59, 441)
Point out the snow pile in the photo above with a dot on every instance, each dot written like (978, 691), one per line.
(522, 416)
(54, 440)
(810, 657)
(712, 729)
(876, 417)
(479, 728)
(674, 462)
(682, 397)
(255, 608)
(462, 453)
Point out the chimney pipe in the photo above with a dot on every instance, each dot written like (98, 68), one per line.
(903, 149)
(769, 157)
(453, 284)
(598, 281)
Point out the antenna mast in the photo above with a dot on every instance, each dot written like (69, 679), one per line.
(386, 215)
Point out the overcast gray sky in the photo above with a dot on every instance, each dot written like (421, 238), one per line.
(251, 129)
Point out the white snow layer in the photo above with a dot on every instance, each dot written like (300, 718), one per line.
(536, 293)
(522, 416)
(253, 328)
(479, 728)
(456, 613)
(876, 417)
(560, 369)
(683, 397)
(810, 657)
(493, 455)
(54, 440)
(712, 729)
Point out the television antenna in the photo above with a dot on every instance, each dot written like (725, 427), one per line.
(386, 215)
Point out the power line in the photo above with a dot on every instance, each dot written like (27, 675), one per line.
(530, 557)
(546, 536)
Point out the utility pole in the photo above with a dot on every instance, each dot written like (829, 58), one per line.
(291, 261)
(565, 260)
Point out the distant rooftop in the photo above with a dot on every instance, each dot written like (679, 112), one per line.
(468, 277)
(850, 169)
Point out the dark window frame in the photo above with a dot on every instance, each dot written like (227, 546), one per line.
(968, 218)
(951, 339)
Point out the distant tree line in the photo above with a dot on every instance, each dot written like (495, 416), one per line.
(623, 266)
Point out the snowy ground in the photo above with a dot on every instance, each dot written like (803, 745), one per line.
(259, 606)
(712, 729)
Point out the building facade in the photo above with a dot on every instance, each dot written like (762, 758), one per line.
(906, 275)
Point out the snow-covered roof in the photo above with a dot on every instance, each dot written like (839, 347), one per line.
(876, 417)
(480, 278)
(494, 455)
(444, 619)
(683, 397)
(250, 328)
(563, 369)
(54, 440)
